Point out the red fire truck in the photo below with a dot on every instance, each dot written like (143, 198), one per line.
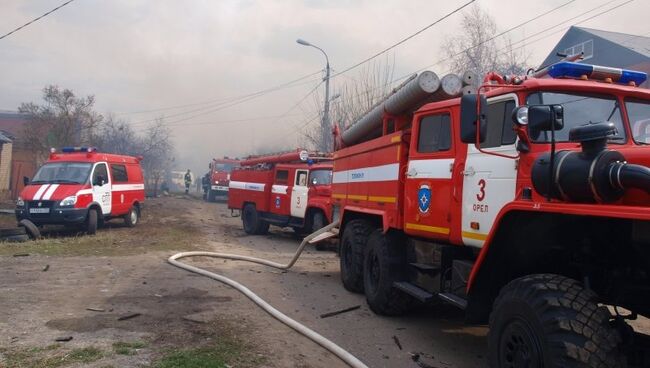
(81, 186)
(284, 189)
(527, 206)
(219, 177)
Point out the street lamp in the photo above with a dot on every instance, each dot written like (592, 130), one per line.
(325, 124)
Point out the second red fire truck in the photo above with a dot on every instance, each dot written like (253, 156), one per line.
(219, 178)
(290, 189)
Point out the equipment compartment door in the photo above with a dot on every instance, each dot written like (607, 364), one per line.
(102, 188)
(489, 181)
(299, 194)
(429, 177)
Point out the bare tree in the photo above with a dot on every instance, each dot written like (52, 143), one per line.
(477, 49)
(63, 120)
(156, 149)
(352, 99)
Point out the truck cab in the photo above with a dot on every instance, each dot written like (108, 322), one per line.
(80, 186)
(219, 177)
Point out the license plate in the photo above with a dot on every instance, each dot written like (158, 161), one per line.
(39, 210)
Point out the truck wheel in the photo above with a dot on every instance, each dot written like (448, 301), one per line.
(91, 222)
(132, 218)
(549, 320)
(253, 225)
(318, 222)
(353, 243)
(383, 264)
(30, 228)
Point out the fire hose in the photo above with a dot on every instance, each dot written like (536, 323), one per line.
(348, 358)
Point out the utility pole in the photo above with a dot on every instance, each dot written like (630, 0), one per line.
(326, 128)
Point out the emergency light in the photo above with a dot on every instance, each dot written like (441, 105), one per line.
(569, 69)
(78, 149)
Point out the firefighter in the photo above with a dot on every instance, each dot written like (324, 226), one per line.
(205, 181)
(188, 181)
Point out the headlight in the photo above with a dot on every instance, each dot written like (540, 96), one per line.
(520, 115)
(68, 201)
(20, 202)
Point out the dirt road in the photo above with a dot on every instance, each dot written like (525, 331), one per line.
(124, 306)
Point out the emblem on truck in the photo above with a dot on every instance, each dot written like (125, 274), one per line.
(424, 198)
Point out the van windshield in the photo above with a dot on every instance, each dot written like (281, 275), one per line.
(62, 173)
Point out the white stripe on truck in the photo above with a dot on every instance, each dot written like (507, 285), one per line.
(258, 187)
(50, 191)
(40, 192)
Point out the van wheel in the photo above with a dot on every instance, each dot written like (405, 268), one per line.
(351, 248)
(253, 225)
(91, 222)
(30, 228)
(549, 320)
(132, 218)
(384, 264)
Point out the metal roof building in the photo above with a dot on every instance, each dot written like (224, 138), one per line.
(619, 50)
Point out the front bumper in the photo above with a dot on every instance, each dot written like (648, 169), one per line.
(58, 215)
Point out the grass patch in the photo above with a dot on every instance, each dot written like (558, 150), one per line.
(51, 357)
(225, 353)
(162, 228)
(127, 348)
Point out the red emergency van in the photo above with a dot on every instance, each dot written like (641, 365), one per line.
(287, 189)
(82, 186)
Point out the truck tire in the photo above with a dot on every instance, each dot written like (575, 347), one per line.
(30, 228)
(384, 263)
(133, 217)
(91, 222)
(318, 222)
(253, 225)
(547, 320)
(353, 244)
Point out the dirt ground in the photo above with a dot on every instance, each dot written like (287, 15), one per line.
(123, 305)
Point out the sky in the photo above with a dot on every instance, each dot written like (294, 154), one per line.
(142, 59)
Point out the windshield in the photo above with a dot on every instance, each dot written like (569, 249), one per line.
(320, 177)
(579, 109)
(639, 116)
(224, 167)
(63, 172)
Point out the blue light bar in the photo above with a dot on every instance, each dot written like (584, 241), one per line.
(569, 69)
(78, 149)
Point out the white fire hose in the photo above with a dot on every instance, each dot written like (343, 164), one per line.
(350, 359)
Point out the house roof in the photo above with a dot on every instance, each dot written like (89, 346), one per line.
(636, 43)
(5, 137)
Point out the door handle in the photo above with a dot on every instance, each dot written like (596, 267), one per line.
(469, 171)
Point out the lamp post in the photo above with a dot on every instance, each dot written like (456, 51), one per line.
(326, 132)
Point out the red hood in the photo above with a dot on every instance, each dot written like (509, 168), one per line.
(50, 191)
(220, 175)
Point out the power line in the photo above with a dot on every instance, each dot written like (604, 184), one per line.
(404, 39)
(36, 19)
(225, 99)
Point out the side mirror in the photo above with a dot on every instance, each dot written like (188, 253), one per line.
(545, 117)
(99, 180)
(25, 181)
(469, 118)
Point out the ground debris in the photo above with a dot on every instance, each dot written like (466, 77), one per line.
(63, 338)
(129, 316)
(331, 314)
(96, 309)
(416, 357)
(399, 344)
(47, 267)
(21, 255)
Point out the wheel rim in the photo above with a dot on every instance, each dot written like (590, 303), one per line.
(134, 216)
(519, 346)
(374, 271)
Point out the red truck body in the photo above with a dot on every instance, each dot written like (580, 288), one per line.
(425, 213)
(281, 190)
(219, 178)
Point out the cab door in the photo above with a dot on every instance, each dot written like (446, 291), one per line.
(429, 177)
(489, 181)
(299, 194)
(101, 186)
